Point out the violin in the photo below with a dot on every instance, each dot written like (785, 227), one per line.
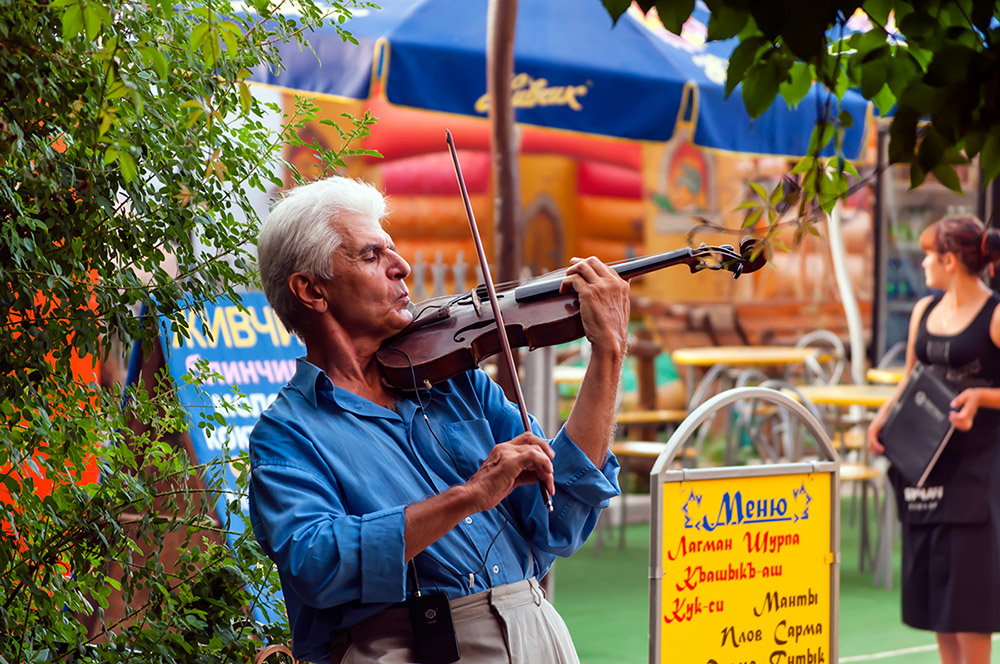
(452, 334)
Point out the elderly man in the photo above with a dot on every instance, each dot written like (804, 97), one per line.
(383, 509)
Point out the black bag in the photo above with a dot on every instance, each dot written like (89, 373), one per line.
(917, 427)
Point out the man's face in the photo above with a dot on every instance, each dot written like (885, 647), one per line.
(367, 293)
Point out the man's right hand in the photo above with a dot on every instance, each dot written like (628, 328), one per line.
(524, 460)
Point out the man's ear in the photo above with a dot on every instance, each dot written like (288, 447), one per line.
(308, 291)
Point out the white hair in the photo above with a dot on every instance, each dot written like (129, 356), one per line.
(301, 234)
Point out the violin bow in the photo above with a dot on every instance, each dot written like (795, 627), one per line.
(508, 355)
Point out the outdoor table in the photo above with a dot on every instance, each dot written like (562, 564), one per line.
(869, 396)
(885, 376)
(706, 356)
(737, 356)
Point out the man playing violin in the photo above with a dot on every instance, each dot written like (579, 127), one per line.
(374, 503)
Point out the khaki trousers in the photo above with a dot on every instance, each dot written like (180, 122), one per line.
(511, 624)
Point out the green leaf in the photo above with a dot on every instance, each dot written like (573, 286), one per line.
(740, 59)
(844, 119)
(760, 86)
(989, 157)
(870, 44)
(884, 100)
(116, 89)
(758, 189)
(841, 83)
(950, 64)
(803, 29)
(726, 21)
(72, 21)
(821, 136)
(931, 151)
(232, 28)
(878, 10)
(245, 97)
(673, 13)
(155, 59)
(804, 164)
(903, 136)
(974, 141)
(198, 35)
(918, 24)
(753, 217)
(946, 175)
(94, 17)
(615, 7)
(777, 194)
(874, 74)
(797, 87)
(193, 117)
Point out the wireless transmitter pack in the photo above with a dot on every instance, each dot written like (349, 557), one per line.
(434, 639)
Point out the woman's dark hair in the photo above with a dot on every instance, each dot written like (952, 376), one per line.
(965, 236)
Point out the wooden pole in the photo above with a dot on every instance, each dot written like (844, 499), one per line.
(500, 24)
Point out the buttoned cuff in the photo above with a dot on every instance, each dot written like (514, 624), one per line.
(579, 477)
(383, 549)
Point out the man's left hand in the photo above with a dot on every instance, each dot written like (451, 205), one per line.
(604, 303)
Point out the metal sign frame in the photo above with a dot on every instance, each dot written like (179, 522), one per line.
(662, 474)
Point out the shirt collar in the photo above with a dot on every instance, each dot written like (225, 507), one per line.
(307, 380)
(312, 381)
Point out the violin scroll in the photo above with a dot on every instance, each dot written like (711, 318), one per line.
(752, 254)
(451, 335)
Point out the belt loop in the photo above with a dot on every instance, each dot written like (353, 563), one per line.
(536, 591)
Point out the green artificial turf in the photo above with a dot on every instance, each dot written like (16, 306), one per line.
(604, 600)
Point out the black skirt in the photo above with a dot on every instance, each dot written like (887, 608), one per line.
(951, 543)
(951, 577)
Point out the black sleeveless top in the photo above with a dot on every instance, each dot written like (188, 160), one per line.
(967, 359)
(958, 490)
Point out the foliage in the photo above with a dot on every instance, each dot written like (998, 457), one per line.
(127, 133)
(929, 64)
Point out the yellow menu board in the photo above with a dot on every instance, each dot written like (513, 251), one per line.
(746, 570)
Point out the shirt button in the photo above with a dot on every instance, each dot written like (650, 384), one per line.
(468, 519)
(496, 569)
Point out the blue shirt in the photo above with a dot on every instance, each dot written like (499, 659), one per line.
(332, 473)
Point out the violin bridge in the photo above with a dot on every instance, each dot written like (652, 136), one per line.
(476, 304)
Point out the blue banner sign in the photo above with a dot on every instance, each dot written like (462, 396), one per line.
(249, 356)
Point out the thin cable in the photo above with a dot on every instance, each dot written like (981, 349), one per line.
(499, 507)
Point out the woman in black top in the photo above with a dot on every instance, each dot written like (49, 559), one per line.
(951, 526)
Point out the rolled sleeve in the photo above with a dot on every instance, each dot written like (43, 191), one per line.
(383, 568)
(580, 478)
